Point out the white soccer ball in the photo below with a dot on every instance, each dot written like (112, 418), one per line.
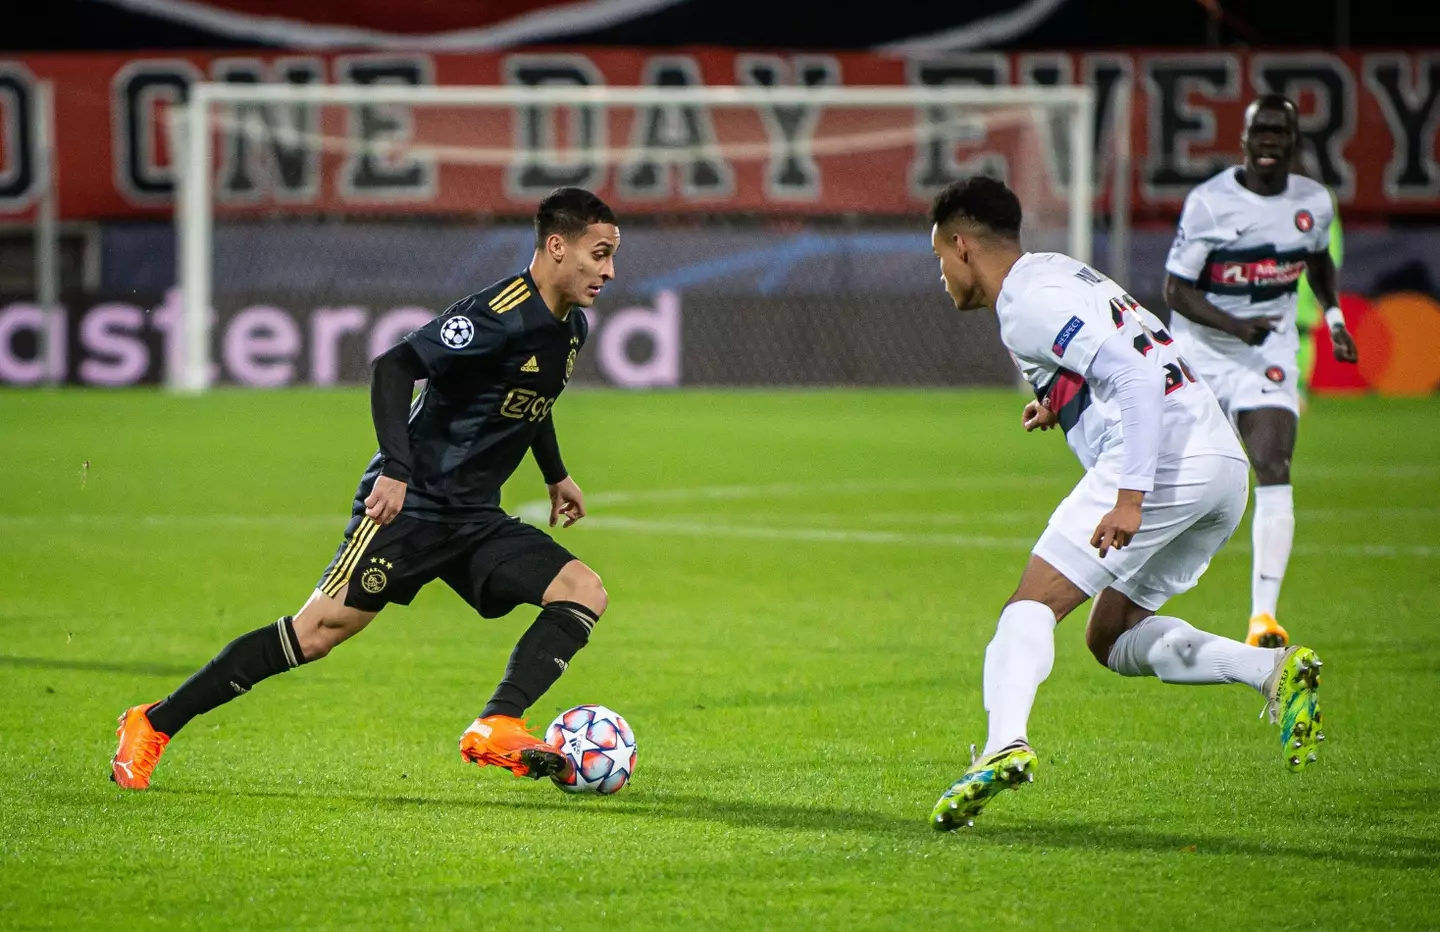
(599, 745)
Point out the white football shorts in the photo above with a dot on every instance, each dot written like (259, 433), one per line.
(1196, 505)
(1247, 377)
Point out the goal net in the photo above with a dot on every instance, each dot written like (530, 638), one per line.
(770, 236)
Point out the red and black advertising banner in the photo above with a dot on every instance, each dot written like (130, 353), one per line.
(1370, 121)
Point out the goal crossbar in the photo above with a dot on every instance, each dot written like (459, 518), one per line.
(206, 93)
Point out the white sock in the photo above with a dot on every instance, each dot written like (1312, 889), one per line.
(1272, 532)
(1016, 663)
(1172, 650)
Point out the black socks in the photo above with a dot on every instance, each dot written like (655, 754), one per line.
(542, 654)
(244, 662)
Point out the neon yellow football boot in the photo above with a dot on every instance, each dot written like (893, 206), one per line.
(1294, 705)
(1008, 768)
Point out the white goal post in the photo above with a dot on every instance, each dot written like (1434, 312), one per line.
(197, 126)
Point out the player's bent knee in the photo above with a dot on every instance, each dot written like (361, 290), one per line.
(1102, 630)
(325, 622)
(1041, 582)
(1101, 643)
(1111, 615)
(577, 582)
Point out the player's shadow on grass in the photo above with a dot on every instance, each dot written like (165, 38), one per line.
(97, 666)
(748, 814)
(1408, 853)
(669, 806)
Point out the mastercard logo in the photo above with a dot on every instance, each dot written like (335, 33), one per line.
(1398, 338)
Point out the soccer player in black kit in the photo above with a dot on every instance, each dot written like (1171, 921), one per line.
(428, 506)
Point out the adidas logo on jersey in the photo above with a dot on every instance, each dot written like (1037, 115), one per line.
(530, 365)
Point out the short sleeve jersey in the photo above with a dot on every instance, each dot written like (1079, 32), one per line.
(1055, 312)
(1247, 252)
(495, 361)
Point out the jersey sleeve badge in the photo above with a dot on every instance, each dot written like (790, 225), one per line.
(457, 332)
(1066, 334)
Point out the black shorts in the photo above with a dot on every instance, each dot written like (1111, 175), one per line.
(494, 564)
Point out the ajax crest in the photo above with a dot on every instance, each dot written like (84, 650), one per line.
(374, 579)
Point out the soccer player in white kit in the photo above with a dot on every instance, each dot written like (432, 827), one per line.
(1165, 486)
(1245, 238)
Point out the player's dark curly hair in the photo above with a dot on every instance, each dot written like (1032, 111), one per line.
(568, 211)
(980, 200)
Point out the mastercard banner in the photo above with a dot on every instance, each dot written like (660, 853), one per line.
(1398, 337)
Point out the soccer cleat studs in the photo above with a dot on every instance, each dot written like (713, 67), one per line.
(1010, 768)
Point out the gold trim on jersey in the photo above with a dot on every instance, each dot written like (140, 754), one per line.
(514, 302)
(514, 293)
(339, 576)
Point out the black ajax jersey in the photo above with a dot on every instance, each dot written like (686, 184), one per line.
(496, 361)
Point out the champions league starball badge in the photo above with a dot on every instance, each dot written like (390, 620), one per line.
(457, 332)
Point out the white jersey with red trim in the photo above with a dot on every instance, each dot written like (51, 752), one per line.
(1246, 252)
(1054, 313)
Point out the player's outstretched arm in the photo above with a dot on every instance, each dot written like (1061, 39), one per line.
(1320, 271)
(1138, 387)
(1190, 302)
(392, 380)
(566, 499)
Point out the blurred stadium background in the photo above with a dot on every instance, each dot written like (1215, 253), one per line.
(769, 230)
(804, 572)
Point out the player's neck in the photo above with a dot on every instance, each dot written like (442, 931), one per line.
(995, 270)
(550, 292)
(1265, 186)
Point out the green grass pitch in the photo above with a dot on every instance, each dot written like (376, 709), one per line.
(802, 586)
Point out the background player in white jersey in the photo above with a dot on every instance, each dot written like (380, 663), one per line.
(1246, 236)
(1165, 486)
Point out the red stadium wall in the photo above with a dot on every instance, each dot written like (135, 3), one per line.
(1371, 118)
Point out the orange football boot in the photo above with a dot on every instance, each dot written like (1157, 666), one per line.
(502, 741)
(139, 751)
(1265, 631)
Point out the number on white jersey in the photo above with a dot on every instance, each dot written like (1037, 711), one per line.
(1177, 373)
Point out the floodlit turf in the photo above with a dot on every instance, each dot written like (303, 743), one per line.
(802, 587)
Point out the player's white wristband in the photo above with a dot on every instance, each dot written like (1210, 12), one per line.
(1333, 318)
